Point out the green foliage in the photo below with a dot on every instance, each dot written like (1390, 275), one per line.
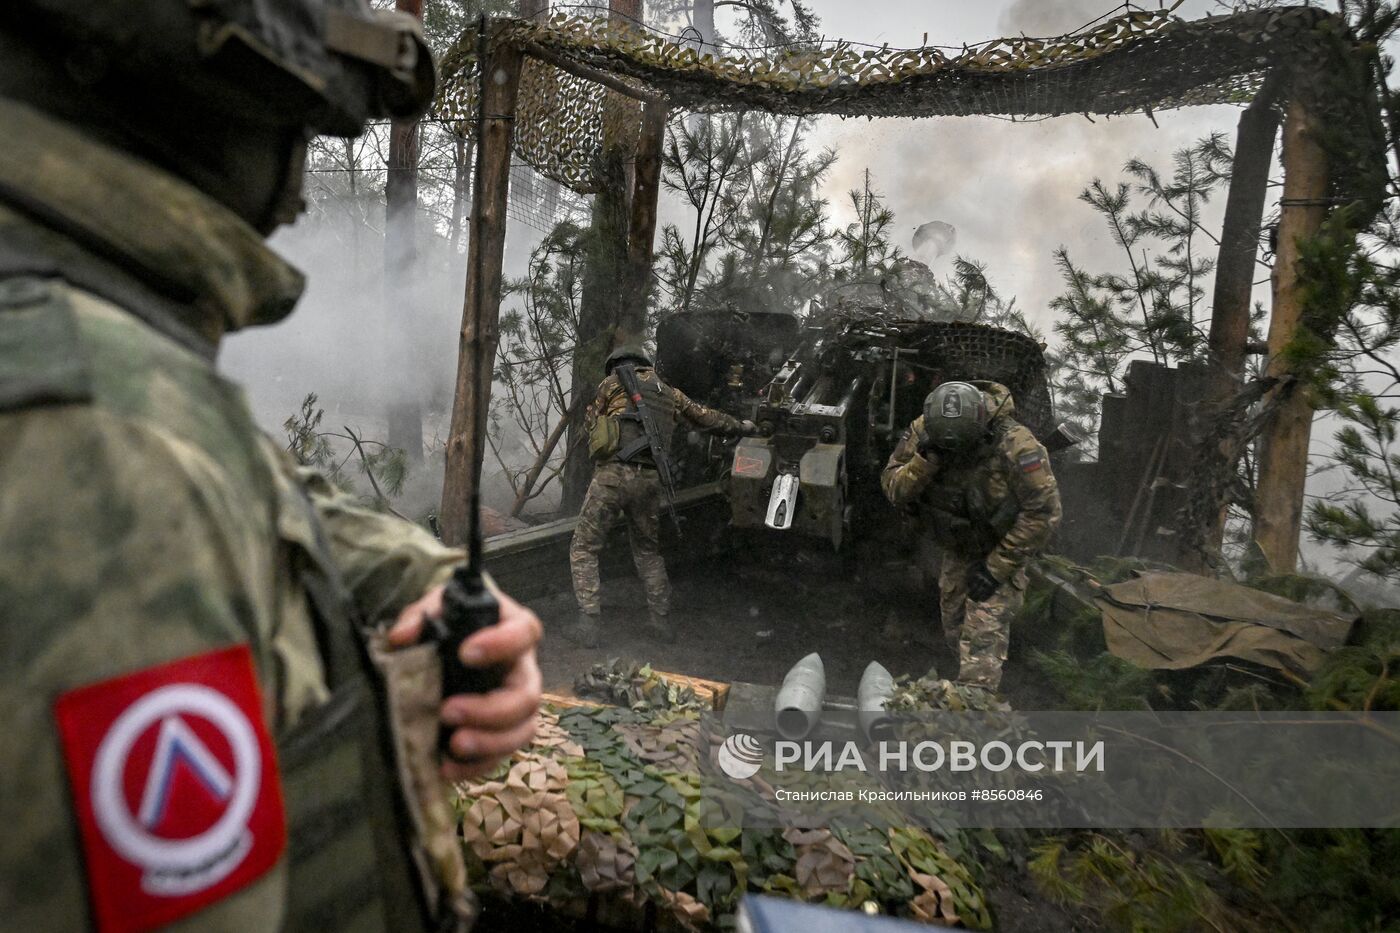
(866, 239)
(385, 468)
(1365, 675)
(1160, 881)
(1153, 308)
(707, 161)
(538, 336)
(1103, 682)
(762, 231)
(304, 442)
(1367, 452)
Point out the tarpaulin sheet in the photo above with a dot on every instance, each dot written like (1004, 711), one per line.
(1178, 620)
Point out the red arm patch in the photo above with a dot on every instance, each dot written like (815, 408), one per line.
(175, 787)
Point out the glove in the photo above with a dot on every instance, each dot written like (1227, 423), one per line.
(748, 428)
(923, 445)
(980, 583)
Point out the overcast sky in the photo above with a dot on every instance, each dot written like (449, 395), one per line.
(1009, 189)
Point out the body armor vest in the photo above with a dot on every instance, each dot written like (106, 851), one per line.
(961, 515)
(632, 445)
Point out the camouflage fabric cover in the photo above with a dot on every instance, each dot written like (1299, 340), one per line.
(145, 518)
(1013, 467)
(633, 492)
(602, 817)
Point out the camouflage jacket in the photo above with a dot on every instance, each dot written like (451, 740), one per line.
(611, 399)
(999, 503)
(145, 520)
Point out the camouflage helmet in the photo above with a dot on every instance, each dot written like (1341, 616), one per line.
(628, 351)
(956, 416)
(327, 66)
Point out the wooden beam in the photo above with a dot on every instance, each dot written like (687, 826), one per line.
(476, 346)
(1283, 450)
(641, 231)
(589, 73)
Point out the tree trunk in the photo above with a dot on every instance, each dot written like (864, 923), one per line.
(1283, 449)
(403, 412)
(641, 234)
(463, 152)
(466, 440)
(1219, 453)
(604, 280)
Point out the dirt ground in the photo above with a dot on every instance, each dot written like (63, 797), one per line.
(750, 622)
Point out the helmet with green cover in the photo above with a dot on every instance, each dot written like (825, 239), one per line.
(628, 352)
(956, 416)
(326, 65)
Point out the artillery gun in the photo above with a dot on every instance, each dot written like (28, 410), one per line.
(833, 410)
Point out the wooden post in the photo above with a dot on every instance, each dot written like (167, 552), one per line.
(1283, 451)
(1229, 323)
(476, 347)
(641, 232)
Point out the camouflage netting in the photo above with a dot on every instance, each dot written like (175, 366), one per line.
(603, 816)
(965, 351)
(1139, 61)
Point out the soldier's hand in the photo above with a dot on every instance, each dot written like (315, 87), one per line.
(922, 444)
(748, 428)
(981, 585)
(486, 727)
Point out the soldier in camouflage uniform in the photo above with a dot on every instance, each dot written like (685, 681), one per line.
(982, 485)
(631, 490)
(217, 715)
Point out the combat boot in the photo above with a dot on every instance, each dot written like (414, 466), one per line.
(659, 628)
(584, 631)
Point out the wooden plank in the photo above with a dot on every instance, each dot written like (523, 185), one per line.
(476, 346)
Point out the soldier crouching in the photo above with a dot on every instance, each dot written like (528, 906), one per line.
(982, 484)
(627, 484)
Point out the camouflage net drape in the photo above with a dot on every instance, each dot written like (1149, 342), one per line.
(1139, 61)
(607, 805)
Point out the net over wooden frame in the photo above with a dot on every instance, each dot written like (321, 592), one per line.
(1139, 61)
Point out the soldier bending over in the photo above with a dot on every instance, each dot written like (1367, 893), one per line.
(982, 484)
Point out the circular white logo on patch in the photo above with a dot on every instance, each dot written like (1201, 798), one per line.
(175, 865)
(740, 756)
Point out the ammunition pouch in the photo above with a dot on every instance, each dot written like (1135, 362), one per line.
(604, 438)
